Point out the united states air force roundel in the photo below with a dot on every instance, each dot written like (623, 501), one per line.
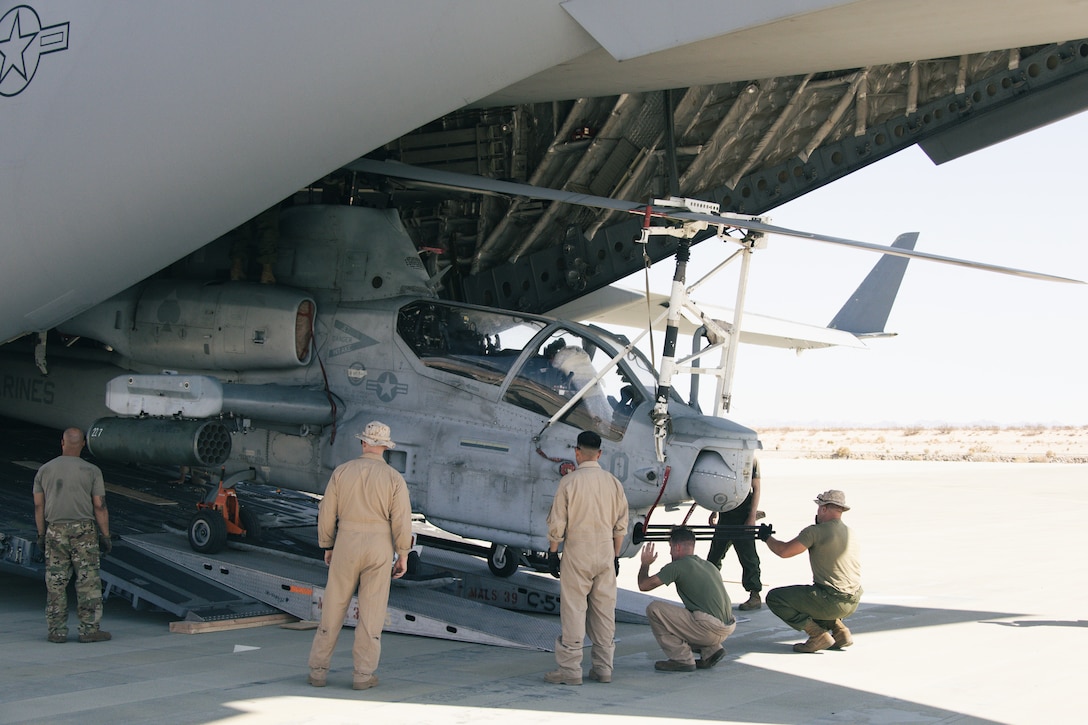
(23, 41)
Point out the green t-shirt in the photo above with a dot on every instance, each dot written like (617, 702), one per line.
(833, 554)
(68, 483)
(699, 584)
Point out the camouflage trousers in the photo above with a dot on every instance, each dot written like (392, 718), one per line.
(796, 605)
(72, 546)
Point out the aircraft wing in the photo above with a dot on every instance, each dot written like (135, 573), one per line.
(863, 315)
(628, 308)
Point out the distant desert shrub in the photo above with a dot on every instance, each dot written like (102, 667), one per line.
(841, 452)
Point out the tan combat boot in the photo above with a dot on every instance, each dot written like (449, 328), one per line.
(841, 635)
(364, 682)
(818, 639)
(559, 677)
(754, 602)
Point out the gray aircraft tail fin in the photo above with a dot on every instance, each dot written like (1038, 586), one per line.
(867, 310)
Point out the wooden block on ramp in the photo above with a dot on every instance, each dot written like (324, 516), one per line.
(302, 624)
(229, 624)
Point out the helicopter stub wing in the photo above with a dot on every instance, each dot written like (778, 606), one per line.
(483, 185)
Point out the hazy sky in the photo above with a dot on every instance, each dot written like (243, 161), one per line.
(973, 347)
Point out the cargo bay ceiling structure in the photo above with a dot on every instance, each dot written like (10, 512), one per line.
(748, 145)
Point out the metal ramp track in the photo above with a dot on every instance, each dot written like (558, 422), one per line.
(17, 552)
(299, 586)
(145, 578)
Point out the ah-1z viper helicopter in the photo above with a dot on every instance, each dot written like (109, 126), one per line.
(272, 382)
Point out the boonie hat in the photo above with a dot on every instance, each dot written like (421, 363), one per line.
(376, 433)
(833, 497)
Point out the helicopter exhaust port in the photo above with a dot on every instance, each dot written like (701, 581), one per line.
(155, 440)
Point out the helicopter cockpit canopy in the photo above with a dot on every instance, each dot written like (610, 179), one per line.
(538, 364)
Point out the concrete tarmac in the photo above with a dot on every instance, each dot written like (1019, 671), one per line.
(974, 611)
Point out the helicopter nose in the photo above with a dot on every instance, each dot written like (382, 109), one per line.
(715, 482)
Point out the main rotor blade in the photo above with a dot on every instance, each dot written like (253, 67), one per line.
(484, 185)
(480, 184)
(911, 254)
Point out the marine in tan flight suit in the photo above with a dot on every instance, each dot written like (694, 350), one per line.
(589, 516)
(364, 517)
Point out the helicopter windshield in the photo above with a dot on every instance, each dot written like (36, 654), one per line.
(564, 362)
(641, 367)
(639, 364)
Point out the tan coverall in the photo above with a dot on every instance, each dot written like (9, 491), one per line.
(589, 511)
(367, 515)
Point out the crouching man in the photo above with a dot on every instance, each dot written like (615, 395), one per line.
(706, 618)
(818, 609)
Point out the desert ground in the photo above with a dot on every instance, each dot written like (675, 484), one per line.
(1032, 444)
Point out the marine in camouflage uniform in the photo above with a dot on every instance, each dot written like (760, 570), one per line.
(69, 500)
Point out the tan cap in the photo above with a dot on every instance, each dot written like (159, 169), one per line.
(376, 434)
(833, 497)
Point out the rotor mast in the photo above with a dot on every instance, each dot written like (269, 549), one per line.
(678, 297)
(680, 304)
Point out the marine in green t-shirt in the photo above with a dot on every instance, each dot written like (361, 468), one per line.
(699, 584)
(706, 618)
(819, 608)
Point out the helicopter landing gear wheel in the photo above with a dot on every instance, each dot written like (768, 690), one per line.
(207, 532)
(503, 560)
(251, 523)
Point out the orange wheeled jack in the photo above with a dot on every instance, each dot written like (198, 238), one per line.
(220, 515)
